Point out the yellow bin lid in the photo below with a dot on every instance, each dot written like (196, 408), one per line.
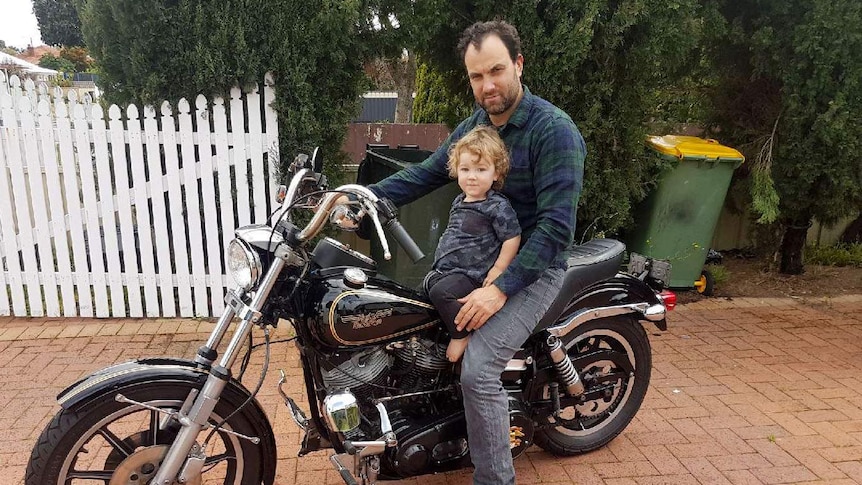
(693, 147)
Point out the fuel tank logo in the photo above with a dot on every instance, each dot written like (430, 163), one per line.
(367, 320)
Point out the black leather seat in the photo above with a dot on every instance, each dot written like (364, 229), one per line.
(594, 261)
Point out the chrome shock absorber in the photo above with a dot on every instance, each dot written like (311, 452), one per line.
(567, 372)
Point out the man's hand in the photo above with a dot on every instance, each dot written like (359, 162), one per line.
(480, 305)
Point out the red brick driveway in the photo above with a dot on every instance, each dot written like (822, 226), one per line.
(746, 391)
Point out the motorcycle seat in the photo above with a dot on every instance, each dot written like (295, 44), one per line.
(588, 263)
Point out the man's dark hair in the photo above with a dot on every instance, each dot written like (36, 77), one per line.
(476, 33)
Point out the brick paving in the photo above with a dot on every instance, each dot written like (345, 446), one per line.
(744, 391)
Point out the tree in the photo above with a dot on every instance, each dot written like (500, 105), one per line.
(150, 50)
(606, 63)
(790, 94)
(78, 56)
(50, 61)
(58, 22)
(434, 103)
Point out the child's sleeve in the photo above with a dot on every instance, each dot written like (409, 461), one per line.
(506, 221)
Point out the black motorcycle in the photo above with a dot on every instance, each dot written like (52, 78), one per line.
(373, 355)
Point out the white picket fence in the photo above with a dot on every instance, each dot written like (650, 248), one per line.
(127, 215)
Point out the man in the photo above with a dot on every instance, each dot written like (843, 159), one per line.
(547, 160)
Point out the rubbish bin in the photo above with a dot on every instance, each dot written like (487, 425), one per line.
(676, 221)
(424, 219)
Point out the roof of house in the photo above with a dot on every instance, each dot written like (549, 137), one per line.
(33, 54)
(27, 67)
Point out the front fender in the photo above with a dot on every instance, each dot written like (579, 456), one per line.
(620, 290)
(119, 376)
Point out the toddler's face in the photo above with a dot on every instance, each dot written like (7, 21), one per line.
(475, 175)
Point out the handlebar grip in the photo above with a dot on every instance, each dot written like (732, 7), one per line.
(404, 240)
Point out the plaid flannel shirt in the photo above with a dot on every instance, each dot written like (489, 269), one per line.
(544, 184)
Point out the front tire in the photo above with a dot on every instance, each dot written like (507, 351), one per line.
(105, 441)
(620, 363)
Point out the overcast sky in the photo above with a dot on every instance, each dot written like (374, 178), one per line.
(18, 24)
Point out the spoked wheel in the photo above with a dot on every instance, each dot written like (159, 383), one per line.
(618, 367)
(113, 443)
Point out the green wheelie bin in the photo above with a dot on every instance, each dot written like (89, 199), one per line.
(424, 219)
(676, 221)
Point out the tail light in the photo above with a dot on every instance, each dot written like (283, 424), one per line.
(668, 298)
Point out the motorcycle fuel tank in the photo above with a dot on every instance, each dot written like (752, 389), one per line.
(379, 310)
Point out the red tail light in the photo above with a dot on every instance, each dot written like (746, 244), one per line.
(668, 298)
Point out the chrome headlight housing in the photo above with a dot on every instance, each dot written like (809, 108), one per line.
(243, 264)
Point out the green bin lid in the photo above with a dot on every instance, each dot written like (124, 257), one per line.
(683, 147)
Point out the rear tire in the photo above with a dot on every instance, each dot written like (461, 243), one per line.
(593, 424)
(118, 443)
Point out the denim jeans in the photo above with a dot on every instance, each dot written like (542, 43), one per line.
(486, 405)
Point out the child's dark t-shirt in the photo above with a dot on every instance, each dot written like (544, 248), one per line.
(476, 231)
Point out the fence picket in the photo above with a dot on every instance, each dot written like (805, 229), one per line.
(41, 226)
(175, 202)
(239, 159)
(26, 244)
(72, 198)
(223, 168)
(107, 212)
(271, 126)
(95, 246)
(142, 213)
(157, 198)
(193, 204)
(7, 212)
(122, 189)
(58, 219)
(255, 140)
(211, 228)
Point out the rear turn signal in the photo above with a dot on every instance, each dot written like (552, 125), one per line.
(668, 298)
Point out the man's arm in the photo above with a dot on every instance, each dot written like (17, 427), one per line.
(413, 182)
(557, 179)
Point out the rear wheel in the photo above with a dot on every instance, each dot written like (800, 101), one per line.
(112, 443)
(619, 365)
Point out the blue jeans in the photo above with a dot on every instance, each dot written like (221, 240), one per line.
(486, 405)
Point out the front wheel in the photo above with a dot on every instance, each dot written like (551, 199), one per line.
(114, 443)
(613, 356)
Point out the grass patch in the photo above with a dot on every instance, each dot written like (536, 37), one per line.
(838, 255)
(719, 272)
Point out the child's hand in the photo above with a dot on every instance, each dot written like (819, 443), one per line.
(492, 275)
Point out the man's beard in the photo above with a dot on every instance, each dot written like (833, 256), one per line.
(505, 101)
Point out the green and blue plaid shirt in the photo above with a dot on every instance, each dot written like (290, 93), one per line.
(544, 184)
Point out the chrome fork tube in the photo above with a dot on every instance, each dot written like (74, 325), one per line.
(219, 376)
(207, 353)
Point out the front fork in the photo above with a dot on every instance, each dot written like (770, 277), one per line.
(177, 465)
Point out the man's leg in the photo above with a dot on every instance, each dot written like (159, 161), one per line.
(485, 402)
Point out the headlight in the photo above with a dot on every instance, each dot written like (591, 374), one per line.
(243, 264)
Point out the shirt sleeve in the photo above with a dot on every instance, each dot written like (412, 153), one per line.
(558, 171)
(506, 224)
(418, 180)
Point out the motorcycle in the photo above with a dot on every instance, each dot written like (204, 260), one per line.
(373, 355)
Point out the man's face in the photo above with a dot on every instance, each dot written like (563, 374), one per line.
(494, 77)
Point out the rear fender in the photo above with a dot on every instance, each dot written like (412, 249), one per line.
(622, 289)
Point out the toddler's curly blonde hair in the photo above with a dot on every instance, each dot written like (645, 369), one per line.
(484, 142)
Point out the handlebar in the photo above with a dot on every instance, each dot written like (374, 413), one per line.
(373, 207)
(404, 240)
